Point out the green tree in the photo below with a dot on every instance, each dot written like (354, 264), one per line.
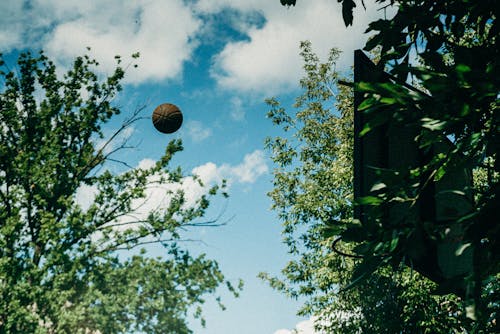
(456, 68)
(61, 270)
(313, 197)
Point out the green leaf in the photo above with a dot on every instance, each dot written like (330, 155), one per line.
(362, 249)
(471, 311)
(362, 271)
(332, 230)
(77, 281)
(462, 248)
(378, 186)
(462, 68)
(354, 233)
(433, 124)
(394, 243)
(347, 11)
(369, 200)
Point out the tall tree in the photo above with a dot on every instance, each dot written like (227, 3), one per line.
(313, 197)
(448, 48)
(61, 270)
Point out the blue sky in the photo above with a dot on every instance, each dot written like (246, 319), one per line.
(217, 60)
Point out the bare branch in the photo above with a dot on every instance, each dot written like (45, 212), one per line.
(157, 241)
(100, 157)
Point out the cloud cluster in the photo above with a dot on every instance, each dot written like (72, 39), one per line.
(252, 167)
(237, 110)
(303, 327)
(196, 131)
(10, 26)
(167, 32)
(248, 171)
(161, 30)
(268, 60)
(157, 195)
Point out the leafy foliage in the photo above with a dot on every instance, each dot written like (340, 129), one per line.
(448, 49)
(313, 197)
(455, 44)
(61, 270)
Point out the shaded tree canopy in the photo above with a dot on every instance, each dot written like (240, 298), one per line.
(61, 270)
(447, 49)
(313, 197)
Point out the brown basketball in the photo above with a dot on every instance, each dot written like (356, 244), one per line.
(167, 118)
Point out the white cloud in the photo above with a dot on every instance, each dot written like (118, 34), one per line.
(237, 111)
(249, 170)
(162, 31)
(166, 33)
(158, 195)
(208, 173)
(146, 163)
(197, 131)
(303, 327)
(269, 61)
(283, 331)
(10, 26)
(213, 6)
(108, 145)
(85, 195)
